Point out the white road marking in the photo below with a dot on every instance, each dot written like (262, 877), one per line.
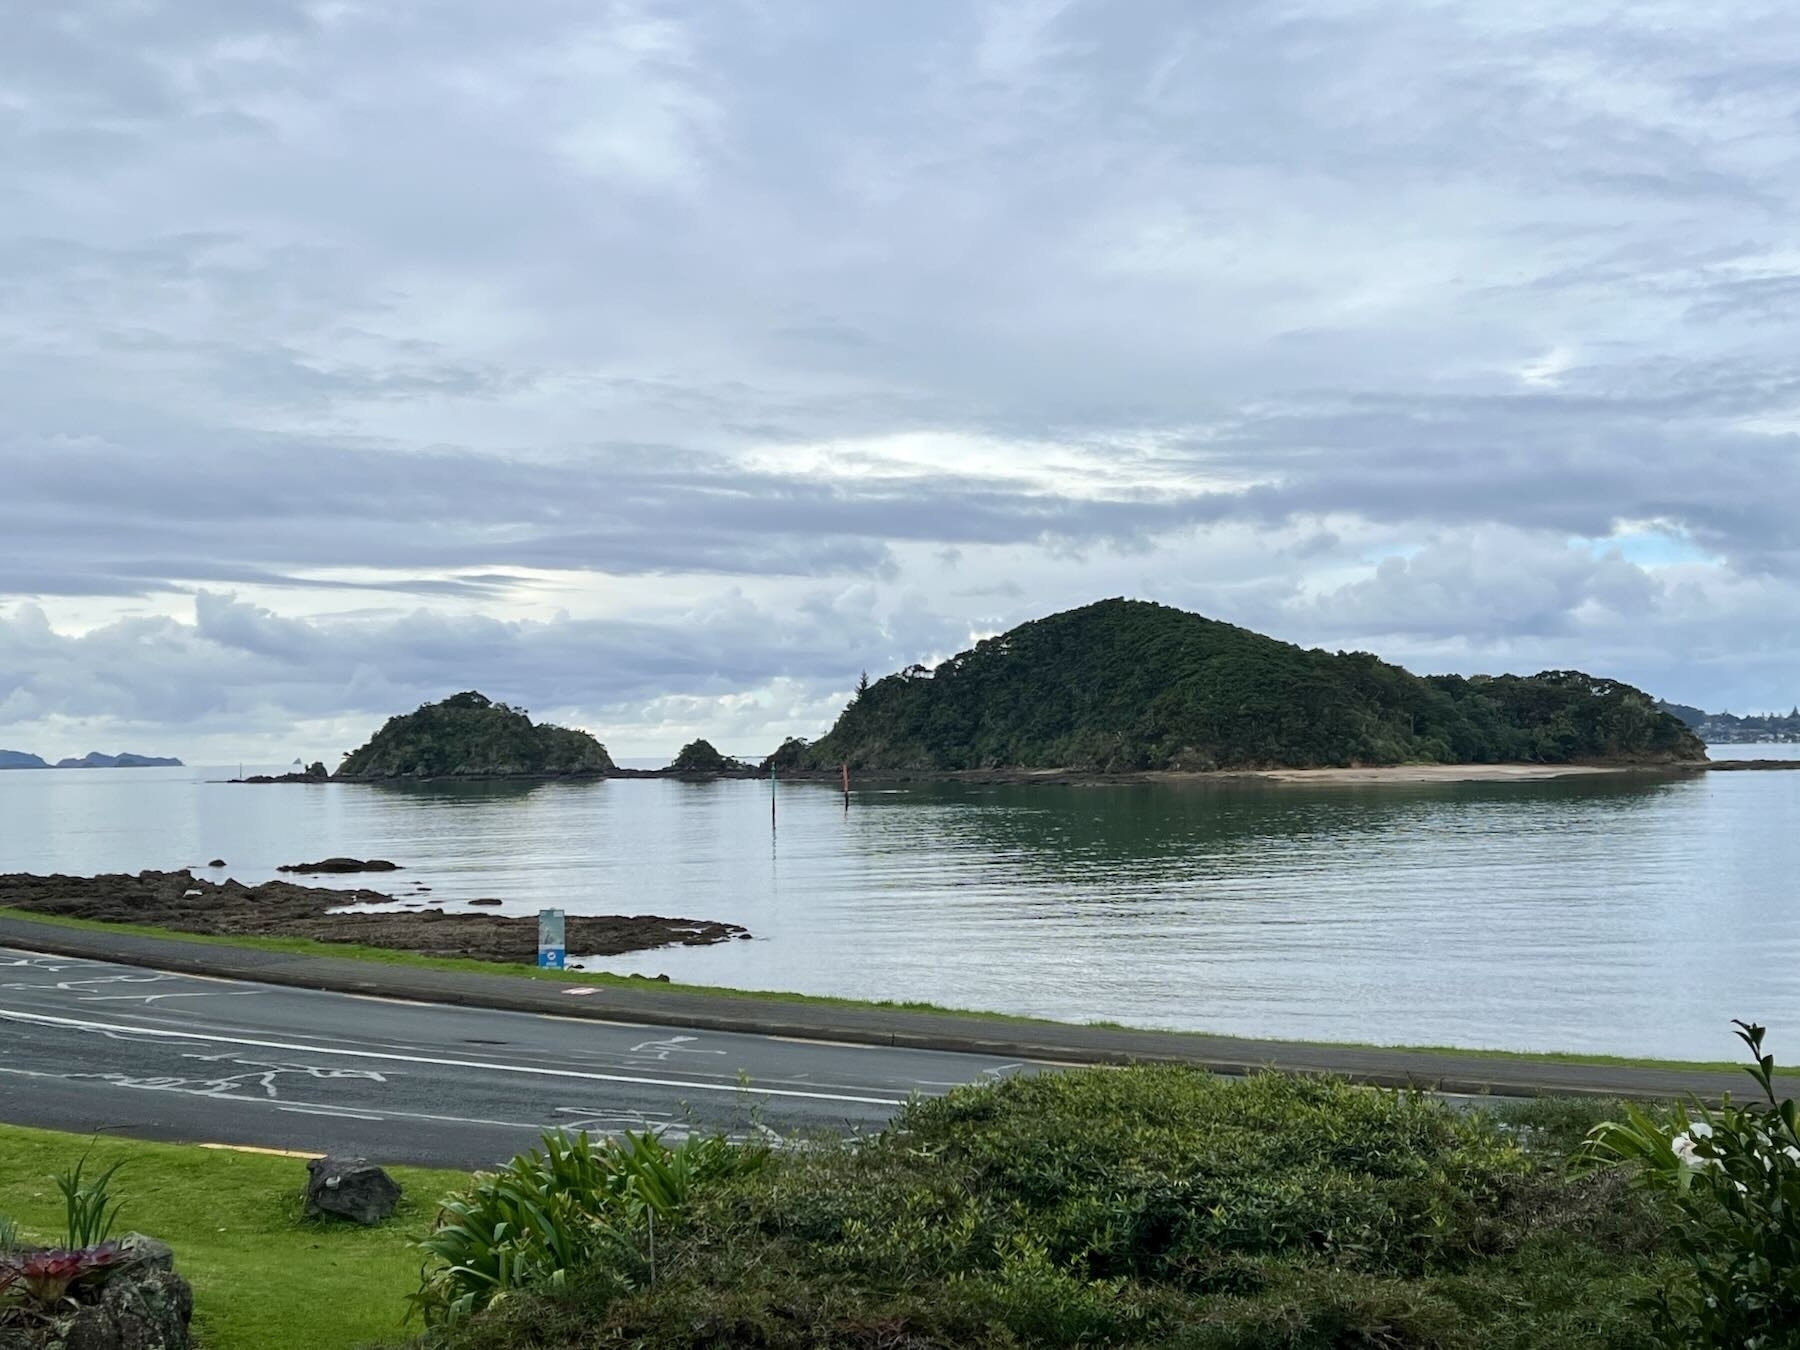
(319, 1111)
(279, 1105)
(113, 1029)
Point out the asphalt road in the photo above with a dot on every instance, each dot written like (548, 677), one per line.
(88, 1045)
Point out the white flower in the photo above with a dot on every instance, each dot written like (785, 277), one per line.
(1685, 1146)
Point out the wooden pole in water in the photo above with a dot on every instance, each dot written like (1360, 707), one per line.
(771, 799)
(846, 768)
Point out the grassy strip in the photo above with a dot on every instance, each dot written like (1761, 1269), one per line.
(264, 1277)
(462, 965)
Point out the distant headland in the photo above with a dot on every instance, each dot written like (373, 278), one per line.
(1723, 728)
(19, 759)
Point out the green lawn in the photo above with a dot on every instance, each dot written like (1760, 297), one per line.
(264, 1278)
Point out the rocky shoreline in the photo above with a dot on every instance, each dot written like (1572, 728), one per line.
(184, 903)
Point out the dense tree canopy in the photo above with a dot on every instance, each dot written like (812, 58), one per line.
(1127, 684)
(469, 735)
(701, 757)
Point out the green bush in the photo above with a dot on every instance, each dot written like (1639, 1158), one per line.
(556, 1209)
(1733, 1177)
(1138, 1207)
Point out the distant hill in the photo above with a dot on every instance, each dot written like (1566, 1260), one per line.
(96, 760)
(1130, 685)
(18, 759)
(471, 736)
(1723, 728)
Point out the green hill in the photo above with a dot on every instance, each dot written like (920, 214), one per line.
(700, 757)
(470, 736)
(1128, 685)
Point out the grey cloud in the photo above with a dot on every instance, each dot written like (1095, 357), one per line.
(446, 294)
(235, 658)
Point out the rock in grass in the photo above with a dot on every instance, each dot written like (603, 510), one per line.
(350, 1188)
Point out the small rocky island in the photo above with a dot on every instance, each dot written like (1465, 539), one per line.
(470, 736)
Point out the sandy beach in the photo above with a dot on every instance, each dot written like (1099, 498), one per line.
(1439, 773)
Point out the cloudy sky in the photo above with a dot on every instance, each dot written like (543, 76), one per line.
(661, 366)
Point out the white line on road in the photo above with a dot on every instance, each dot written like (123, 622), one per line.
(110, 1028)
(274, 1103)
(335, 1115)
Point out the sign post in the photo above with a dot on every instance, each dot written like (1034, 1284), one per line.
(551, 949)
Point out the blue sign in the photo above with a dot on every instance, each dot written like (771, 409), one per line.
(551, 949)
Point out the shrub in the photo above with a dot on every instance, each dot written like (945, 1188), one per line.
(1147, 1206)
(559, 1208)
(1733, 1177)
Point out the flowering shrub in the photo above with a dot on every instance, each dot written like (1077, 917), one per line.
(1733, 1177)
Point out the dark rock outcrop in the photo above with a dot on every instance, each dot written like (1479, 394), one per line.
(342, 865)
(229, 908)
(350, 1188)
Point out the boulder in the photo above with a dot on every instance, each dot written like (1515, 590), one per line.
(350, 1188)
(142, 1307)
(147, 1253)
(216, 862)
(150, 1311)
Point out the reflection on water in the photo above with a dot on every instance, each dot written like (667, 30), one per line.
(1632, 915)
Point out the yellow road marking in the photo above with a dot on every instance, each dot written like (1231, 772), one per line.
(269, 1152)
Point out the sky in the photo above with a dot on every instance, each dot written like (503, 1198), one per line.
(661, 367)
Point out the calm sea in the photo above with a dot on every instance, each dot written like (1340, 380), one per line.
(1607, 915)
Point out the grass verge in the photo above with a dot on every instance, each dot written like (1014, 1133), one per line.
(264, 1277)
(390, 957)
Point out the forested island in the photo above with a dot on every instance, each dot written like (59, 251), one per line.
(1129, 685)
(1119, 686)
(470, 736)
